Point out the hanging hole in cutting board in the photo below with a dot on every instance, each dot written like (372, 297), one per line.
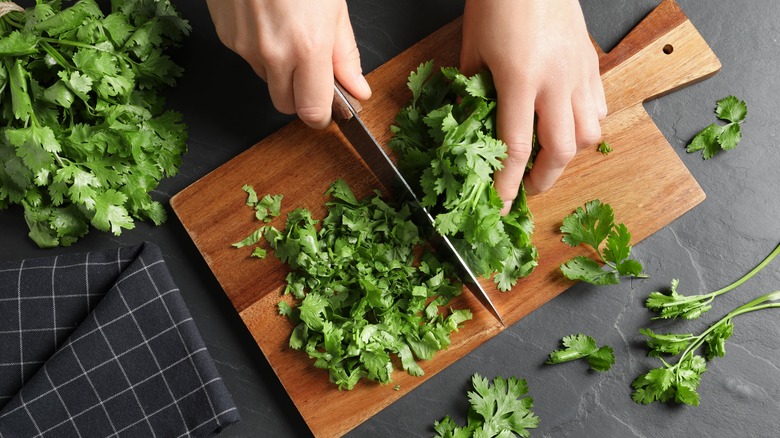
(668, 49)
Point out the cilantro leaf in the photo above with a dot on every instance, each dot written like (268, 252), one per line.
(588, 270)
(715, 138)
(604, 148)
(499, 410)
(594, 225)
(583, 346)
(110, 213)
(731, 109)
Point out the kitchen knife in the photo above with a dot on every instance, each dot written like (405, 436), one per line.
(345, 114)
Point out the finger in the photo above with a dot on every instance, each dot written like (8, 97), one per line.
(587, 129)
(313, 89)
(280, 88)
(597, 88)
(555, 129)
(515, 124)
(346, 60)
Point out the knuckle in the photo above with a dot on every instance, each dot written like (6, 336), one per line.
(519, 149)
(562, 156)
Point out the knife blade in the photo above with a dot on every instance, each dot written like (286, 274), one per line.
(345, 114)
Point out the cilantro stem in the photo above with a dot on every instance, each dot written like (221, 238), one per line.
(745, 308)
(55, 54)
(69, 43)
(711, 296)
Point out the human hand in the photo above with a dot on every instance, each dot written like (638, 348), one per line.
(298, 47)
(543, 63)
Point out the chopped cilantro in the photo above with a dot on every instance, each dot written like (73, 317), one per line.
(446, 141)
(604, 148)
(715, 138)
(591, 226)
(85, 137)
(583, 346)
(498, 410)
(365, 301)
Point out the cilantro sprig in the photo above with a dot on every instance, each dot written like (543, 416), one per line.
(715, 138)
(679, 381)
(363, 301)
(446, 142)
(499, 410)
(674, 304)
(582, 346)
(593, 225)
(85, 137)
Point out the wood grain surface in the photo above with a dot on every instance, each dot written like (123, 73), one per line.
(643, 179)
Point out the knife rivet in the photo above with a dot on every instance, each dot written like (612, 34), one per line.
(668, 49)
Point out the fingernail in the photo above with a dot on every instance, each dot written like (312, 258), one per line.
(362, 83)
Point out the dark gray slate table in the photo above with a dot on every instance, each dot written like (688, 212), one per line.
(228, 110)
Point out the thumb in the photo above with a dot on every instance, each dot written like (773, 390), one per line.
(346, 59)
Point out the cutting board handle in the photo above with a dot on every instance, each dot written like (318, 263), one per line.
(661, 54)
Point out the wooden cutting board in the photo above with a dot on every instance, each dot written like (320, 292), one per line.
(643, 179)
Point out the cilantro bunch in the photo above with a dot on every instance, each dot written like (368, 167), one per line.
(679, 381)
(364, 298)
(446, 142)
(85, 136)
(498, 410)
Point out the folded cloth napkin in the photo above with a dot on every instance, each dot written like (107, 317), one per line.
(101, 344)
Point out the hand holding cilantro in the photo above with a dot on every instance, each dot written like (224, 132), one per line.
(84, 135)
(547, 73)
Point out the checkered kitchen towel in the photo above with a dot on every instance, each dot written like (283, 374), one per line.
(102, 345)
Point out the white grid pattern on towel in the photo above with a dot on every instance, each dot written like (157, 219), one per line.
(135, 350)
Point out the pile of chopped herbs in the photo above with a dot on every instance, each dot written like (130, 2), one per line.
(363, 292)
(446, 142)
(85, 136)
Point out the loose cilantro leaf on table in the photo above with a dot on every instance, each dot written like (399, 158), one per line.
(364, 301)
(715, 138)
(675, 305)
(499, 410)
(446, 142)
(85, 136)
(679, 381)
(593, 225)
(604, 148)
(583, 346)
